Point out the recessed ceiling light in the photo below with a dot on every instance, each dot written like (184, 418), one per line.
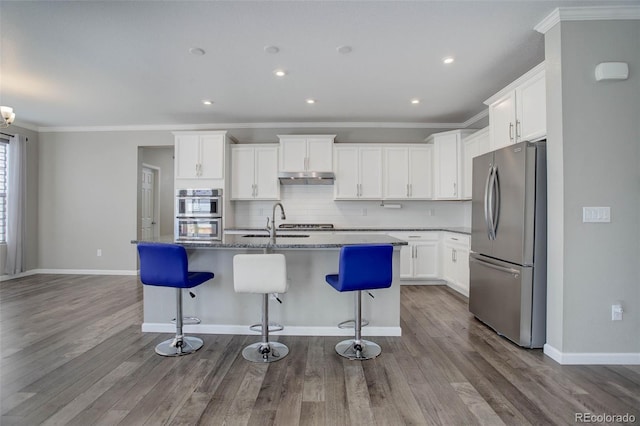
(280, 73)
(344, 49)
(311, 101)
(448, 60)
(196, 51)
(415, 101)
(207, 102)
(271, 49)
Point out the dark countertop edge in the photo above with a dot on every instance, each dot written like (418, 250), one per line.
(262, 246)
(280, 243)
(458, 230)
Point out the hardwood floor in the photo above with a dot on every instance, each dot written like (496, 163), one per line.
(72, 353)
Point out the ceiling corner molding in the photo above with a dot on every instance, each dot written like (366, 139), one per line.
(479, 116)
(263, 125)
(588, 13)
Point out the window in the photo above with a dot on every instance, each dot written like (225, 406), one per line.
(3, 191)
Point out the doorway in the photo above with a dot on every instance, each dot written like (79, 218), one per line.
(155, 193)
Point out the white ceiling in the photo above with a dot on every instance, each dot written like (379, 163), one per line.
(127, 63)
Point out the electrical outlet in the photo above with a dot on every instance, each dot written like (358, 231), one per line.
(616, 312)
(99, 252)
(596, 214)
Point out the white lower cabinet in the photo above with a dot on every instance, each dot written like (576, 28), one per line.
(455, 261)
(419, 259)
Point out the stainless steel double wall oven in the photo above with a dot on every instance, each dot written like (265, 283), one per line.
(198, 214)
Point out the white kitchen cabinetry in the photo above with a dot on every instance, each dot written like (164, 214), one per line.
(407, 172)
(358, 170)
(518, 112)
(254, 172)
(455, 261)
(419, 259)
(199, 155)
(447, 170)
(473, 145)
(300, 153)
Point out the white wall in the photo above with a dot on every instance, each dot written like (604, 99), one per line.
(594, 160)
(88, 197)
(88, 187)
(315, 204)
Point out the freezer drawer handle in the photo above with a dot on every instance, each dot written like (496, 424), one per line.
(515, 272)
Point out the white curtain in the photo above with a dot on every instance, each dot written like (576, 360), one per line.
(16, 201)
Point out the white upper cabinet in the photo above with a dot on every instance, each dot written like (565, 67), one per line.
(518, 112)
(447, 168)
(312, 153)
(254, 172)
(473, 145)
(358, 170)
(199, 155)
(407, 172)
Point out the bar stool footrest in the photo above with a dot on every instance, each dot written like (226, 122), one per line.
(352, 323)
(187, 320)
(273, 327)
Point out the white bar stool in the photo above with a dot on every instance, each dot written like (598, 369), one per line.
(264, 274)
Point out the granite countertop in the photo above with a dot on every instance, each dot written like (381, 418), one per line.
(312, 241)
(456, 229)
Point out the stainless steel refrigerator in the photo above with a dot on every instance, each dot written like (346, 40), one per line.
(507, 265)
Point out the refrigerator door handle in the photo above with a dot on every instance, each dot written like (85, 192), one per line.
(495, 217)
(487, 190)
(512, 271)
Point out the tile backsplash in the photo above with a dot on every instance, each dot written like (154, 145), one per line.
(315, 204)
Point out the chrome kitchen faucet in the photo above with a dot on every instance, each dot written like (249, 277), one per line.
(272, 229)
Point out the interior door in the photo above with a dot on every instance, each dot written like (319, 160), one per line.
(147, 199)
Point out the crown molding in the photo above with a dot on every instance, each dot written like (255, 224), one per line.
(267, 125)
(588, 13)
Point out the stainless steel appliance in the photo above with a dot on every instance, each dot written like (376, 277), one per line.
(198, 215)
(508, 274)
(199, 203)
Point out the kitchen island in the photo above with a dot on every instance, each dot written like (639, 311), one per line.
(310, 307)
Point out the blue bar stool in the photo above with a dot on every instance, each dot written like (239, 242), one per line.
(362, 267)
(264, 274)
(166, 265)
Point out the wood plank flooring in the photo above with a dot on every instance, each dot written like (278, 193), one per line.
(72, 353)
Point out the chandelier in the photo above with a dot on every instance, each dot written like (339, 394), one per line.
(7, 116)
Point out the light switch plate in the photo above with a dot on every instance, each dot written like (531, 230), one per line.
(596, 214)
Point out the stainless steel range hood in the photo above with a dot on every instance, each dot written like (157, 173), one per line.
(306, 178)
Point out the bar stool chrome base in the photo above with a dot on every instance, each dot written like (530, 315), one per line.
(353, 351)
(175, 347)
(265, 352)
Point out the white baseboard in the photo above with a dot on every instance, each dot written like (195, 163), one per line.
(598, 358)
(288, 331)
(19, 275)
